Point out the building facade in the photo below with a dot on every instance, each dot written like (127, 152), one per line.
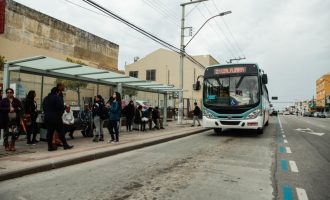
(25, 32)
(322, 92)
(163, 66)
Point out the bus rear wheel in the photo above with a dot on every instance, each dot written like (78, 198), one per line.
(217, 130)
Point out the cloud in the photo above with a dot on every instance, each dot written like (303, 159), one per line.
(289, 39)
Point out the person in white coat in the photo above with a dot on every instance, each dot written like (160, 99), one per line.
(68, 121)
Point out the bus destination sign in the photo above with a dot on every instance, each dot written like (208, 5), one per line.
(230, 70)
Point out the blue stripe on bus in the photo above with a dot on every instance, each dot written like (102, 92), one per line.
(282, 149)
(284, 165)
(287, 192)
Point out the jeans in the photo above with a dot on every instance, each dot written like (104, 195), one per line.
(98, 126)
(113, 125)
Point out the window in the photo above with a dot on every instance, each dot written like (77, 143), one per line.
(151, 75)
(134, 74)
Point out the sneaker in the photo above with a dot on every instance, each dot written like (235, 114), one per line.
(199, 125)
(110, 141)
(101, 139)
(95, 140)
(192, 125)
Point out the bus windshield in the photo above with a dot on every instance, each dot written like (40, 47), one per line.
(231, 91)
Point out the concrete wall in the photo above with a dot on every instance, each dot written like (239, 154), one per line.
(27, 26)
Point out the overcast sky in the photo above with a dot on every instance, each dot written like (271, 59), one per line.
(290, 40)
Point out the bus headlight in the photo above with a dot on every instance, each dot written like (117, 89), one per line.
(254, 114)
(208, 114)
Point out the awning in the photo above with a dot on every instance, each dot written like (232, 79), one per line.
(51, 67)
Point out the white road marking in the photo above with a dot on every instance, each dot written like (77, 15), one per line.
(310, 131)
(293, 166)
(314, 133)
(284, 136)
(301, 193)
(288, 150)
(285, 141)
(280, 122)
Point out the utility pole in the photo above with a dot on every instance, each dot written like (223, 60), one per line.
(182, 53)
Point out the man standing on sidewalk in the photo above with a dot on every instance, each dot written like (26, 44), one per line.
(54, 108)
(197, 112)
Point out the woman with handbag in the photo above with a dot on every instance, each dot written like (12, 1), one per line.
(10, 109)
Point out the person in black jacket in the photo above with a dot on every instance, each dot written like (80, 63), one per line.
(129, 112)
(10, 110)
(197, 112)
(30, 116)
(54, 108)
(138, 117)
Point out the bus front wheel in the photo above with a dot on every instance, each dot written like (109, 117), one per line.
(217, 130)
(260, 131)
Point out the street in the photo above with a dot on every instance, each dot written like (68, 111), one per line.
(233, 165)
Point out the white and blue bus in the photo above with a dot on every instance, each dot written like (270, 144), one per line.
(235, 96)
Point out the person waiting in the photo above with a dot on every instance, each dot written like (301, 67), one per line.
(85, 117)
(146, 118)
(138, 117)
(68, 121)
(156, 118)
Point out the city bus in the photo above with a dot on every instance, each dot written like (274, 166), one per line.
(235, 96)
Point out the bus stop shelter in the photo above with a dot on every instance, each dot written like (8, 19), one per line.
(51, 67)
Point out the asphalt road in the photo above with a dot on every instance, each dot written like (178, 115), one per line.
(235, 165)
(303, 158)
(289, 161)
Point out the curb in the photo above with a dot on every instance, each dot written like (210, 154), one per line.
(90, 157)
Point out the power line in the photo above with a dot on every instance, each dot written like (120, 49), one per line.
(225, 43)
(229, 30)
(162, 11)
(223, 32)
(140, 30)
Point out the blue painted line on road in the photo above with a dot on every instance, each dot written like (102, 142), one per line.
(284, 165)
(287, 192)
(282, 149)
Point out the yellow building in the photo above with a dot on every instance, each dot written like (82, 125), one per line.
(163, 66)
(322, 91)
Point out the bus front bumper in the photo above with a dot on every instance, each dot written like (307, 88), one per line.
(256, 123)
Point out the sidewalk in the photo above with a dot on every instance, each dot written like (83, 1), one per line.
(29, 159)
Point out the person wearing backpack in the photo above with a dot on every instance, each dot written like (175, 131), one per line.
(97, 112)
(197, 112)
(114, 117)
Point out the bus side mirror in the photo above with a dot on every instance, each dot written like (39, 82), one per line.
(264, 79)
(197, 85)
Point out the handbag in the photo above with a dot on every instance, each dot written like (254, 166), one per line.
(40, 118)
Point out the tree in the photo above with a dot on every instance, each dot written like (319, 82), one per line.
(130, 92)
(73, 85)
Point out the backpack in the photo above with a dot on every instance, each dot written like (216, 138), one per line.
(104, 112)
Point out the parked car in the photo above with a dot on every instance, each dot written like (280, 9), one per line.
(318, 114)
(286, 113)
(322, 115)
(307, 114)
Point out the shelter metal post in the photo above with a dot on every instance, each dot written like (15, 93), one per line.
(41, 92)
(165, 110)
(120, 88)
(6, 79)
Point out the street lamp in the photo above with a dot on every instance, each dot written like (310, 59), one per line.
(220, 14)
(182, 53)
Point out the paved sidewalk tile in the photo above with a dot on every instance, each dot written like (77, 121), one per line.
(30, 159)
